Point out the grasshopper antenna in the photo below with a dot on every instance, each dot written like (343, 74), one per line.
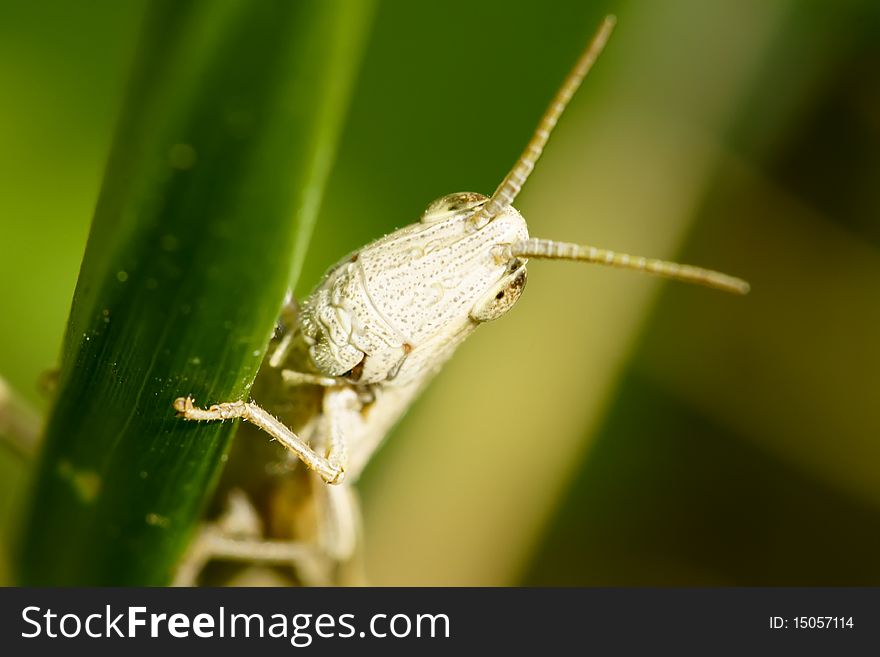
(509, 188)
(553, 250)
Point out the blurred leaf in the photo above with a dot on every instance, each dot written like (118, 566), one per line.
(208, 201)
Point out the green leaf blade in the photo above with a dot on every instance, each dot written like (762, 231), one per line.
(210, 195)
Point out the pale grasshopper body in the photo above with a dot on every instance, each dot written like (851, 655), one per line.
(349, 361)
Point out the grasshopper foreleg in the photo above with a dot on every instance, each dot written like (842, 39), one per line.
(335, 547)
(293, 379)
(331, 467)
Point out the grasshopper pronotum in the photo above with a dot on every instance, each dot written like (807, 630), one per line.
(365, 342)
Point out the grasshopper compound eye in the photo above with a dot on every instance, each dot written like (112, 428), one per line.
(451, 206)
(501, 298)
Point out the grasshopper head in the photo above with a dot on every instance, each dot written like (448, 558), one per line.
(507, 228)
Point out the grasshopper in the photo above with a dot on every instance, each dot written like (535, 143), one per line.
(350, 359)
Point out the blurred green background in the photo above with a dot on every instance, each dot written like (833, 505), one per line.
(619, 430)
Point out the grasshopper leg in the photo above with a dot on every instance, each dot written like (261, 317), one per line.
(235, 536)
(330, 467)
(292, 378)
(340, 533)
(334, 558)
